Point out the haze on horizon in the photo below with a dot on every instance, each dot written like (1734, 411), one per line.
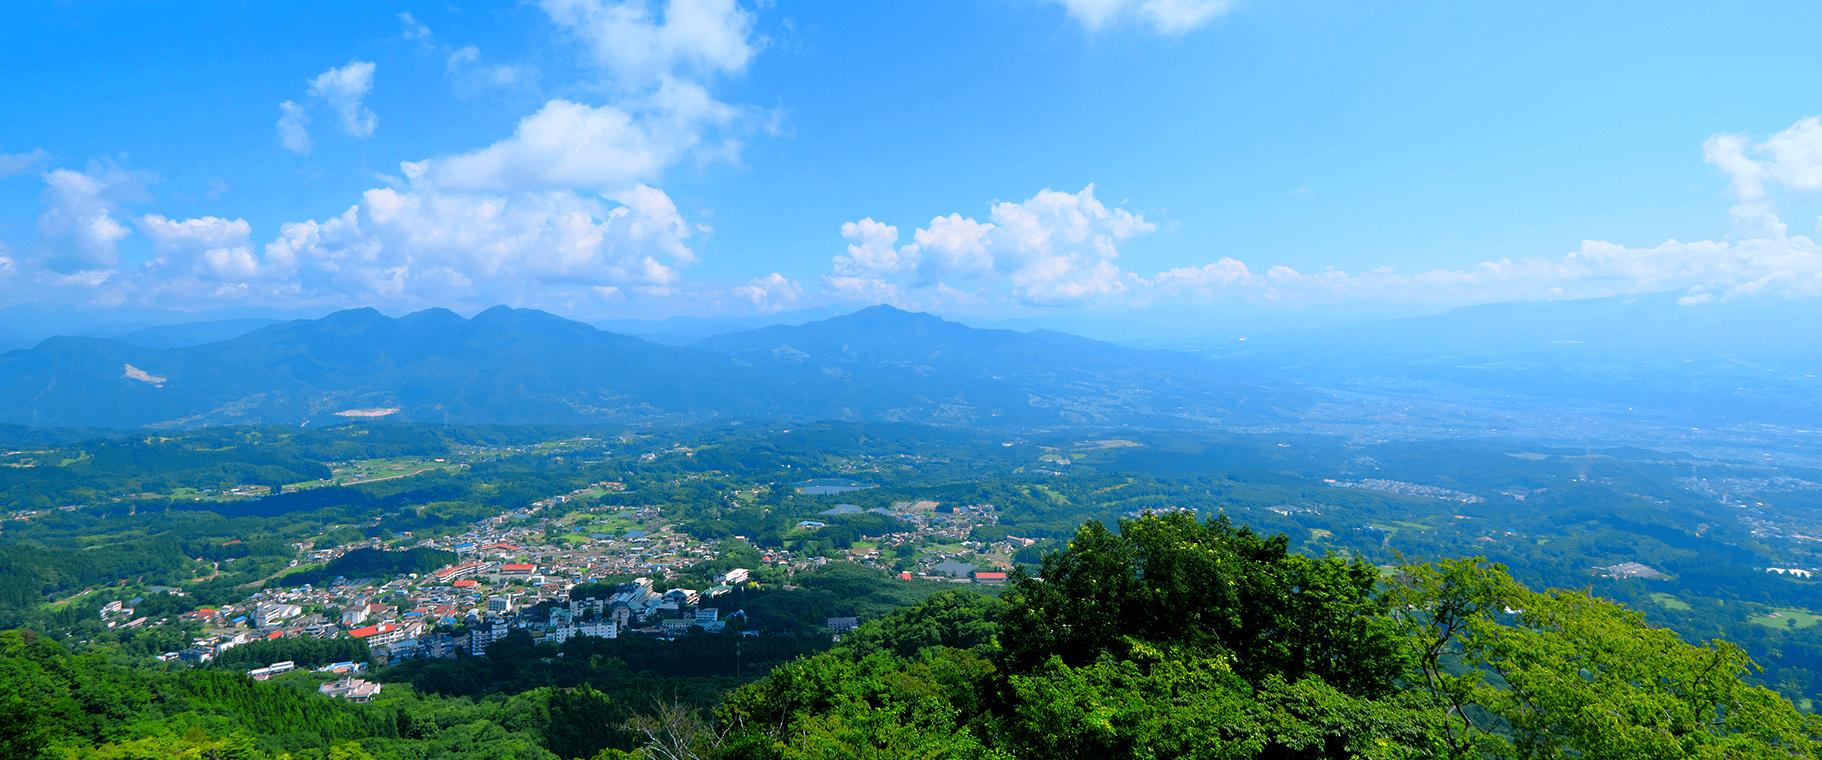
(1112, 167)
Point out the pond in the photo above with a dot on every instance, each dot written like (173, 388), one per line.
(826, 486)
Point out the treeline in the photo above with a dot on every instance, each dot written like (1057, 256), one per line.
(305, 652)
(368, 563)
(58, 704)
(53, 470)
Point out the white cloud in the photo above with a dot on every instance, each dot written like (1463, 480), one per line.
(640, 41)
(1703, 270)
(470, 74)
(344, 88)
(1168, 17)
(771, 293)
(573, 145)
(293, 128)
(564, 207)
(19, 163)
(412, 29)
(209, 247)
(1053, 248)
(78, 225)
(1791, 159)
(872, 250)
(1205, 280)
(430, 245)
(1062, 248)
(1795, 155)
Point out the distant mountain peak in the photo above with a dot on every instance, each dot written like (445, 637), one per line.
(434, 312)
(887, 314)
(497, 312)
(359, 314)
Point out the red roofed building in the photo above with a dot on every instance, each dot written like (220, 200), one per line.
(992, 577)
(456, 571)
(502, 547)
(379, 635)
(518, 568)
(466, 583)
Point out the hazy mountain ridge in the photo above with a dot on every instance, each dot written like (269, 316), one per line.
(1707, 364)
(511, 365)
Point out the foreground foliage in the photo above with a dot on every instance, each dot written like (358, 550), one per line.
(1175, 638)
(1170, 638)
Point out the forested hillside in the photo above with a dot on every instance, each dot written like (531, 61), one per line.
(1182, 639)
(1168, 638)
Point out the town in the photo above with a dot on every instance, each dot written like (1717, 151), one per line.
(542, 569)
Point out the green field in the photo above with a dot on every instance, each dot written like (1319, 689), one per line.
(1670, 602)
(366, 470)
(1786, 617)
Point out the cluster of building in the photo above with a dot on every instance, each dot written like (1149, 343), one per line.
(927, 524)
(510, 576)
(351, 689)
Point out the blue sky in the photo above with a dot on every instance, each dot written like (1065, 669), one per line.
(1009, 158)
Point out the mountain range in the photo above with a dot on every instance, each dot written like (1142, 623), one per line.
(524, 366)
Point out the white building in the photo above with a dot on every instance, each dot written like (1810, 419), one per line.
(351, 689)
(268, 615)
(261, 674)
(600, 629)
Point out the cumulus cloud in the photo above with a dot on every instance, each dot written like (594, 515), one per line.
(1062, 248)
(1168, 17)
(294, 128)
(1791, 158)
(771, 293)
(567, 205)
(569, 144)
(209, 247)
(1053, 248)
(78, 225)
(661, 56)
(639, 41)
(428, 245)
(344, 89)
